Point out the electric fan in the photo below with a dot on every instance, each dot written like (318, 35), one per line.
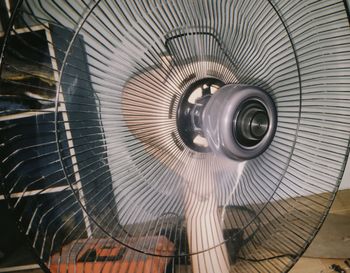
(204, 136)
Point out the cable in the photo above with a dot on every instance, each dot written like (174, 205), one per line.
(292, 256)
(253, 215)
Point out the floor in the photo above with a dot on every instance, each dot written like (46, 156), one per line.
(316, 265)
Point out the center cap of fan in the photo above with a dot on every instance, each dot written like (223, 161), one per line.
(238, 121)
(252, 123)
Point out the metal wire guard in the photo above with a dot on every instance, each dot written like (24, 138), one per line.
(91, 149)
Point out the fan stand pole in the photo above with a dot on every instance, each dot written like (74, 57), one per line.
(204, 230)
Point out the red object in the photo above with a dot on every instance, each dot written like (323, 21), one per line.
(108, 256)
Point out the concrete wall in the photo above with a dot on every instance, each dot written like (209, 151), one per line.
(345, 184)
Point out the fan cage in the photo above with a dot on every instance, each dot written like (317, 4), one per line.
(91, 154)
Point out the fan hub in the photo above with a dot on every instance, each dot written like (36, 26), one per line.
(238, 121)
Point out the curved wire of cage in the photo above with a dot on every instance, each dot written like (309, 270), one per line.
(90, 145)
